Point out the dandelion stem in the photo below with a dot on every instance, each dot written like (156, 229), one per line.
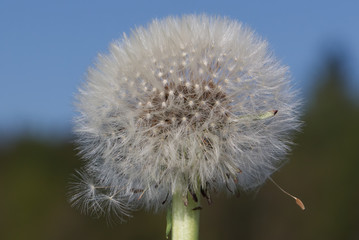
(185, 219)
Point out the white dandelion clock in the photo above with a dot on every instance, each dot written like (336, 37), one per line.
(179, 109)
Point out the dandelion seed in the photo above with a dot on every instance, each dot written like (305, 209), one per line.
(204, 118)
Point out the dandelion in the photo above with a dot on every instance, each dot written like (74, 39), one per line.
(181, 109)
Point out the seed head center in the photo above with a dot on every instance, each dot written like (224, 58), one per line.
(193, 103)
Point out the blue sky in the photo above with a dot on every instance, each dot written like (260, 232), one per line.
(47, 46)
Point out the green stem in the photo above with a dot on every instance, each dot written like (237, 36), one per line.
(185, 220)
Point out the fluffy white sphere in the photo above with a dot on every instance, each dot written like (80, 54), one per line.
(185, 105)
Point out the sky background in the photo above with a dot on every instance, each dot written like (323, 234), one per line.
(47, 46)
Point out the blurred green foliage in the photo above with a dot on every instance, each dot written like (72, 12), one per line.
(34, 176)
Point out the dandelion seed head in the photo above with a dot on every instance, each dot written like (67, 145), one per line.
(162, 113)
